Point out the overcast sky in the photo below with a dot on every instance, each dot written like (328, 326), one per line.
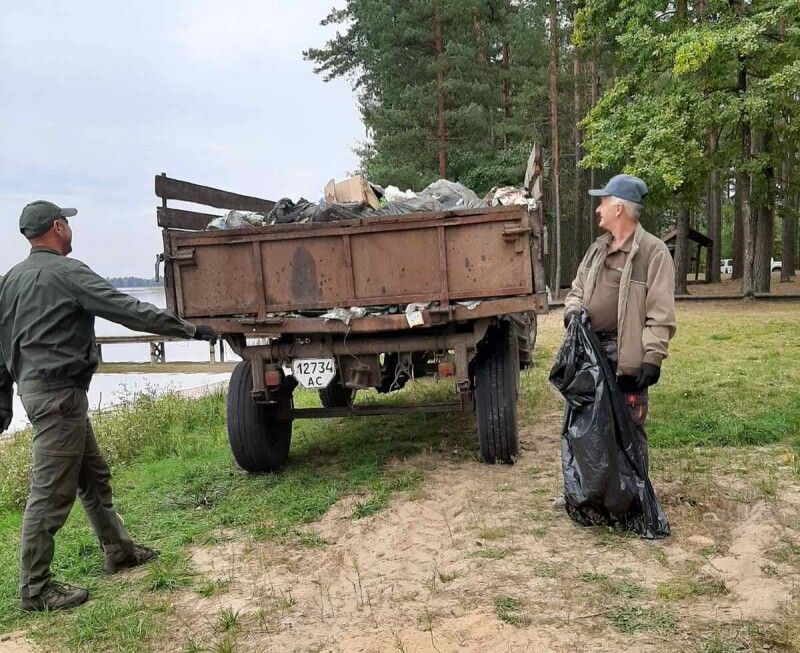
(97, 97)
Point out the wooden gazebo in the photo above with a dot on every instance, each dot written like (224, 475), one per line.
(696, 237)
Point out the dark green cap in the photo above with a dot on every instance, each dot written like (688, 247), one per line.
(37, 217)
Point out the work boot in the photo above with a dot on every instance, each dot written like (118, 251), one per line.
(55, 596)
(139, 556)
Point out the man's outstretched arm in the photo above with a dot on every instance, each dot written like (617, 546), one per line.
(100, 298)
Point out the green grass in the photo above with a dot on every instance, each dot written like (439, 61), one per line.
(614, 586)
(489, 554)
(176, 485)
(509, 610)
(637, 619)
(689, 588)
(732, 379)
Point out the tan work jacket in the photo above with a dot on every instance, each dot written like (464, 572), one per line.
(646, 307)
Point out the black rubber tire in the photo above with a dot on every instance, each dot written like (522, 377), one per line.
(259, 442)
(336, 395)
(496, 391)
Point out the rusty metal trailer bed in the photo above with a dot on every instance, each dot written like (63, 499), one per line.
(478, 274)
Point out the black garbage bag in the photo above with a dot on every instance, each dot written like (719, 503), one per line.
(605, 476)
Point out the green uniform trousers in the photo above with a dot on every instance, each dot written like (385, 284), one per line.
(66, 464)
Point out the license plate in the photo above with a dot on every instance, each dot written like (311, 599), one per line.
(314, 373)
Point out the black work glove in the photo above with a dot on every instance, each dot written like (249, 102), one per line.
(5, 420)
(568, 317)
(205, 333)
(648, 375)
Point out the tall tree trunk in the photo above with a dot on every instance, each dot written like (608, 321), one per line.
(682, 251)
(595, 86)
(714, 213)
(738, 233)
(438, 48)
(554, 140)
(765, 222)
(743, 182)
(580, 217)
(506, 98)
(714, 208)
(480, 42)
(788, 228)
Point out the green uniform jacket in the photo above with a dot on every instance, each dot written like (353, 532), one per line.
(47, 308)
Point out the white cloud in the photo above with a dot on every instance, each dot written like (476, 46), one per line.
(99, 97)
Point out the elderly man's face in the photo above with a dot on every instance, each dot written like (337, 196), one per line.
(609, 213)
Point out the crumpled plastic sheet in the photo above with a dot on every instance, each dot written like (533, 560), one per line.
(344, 314)
(509, 195)
(441, 195)
(605, 474)
(238, 220)
(394, 194)
(452, 195)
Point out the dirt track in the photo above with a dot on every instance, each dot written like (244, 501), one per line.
(482, 562)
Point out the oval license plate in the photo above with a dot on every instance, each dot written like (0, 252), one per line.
(314, 373)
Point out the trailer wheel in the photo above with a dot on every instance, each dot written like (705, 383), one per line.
(259, 441)
(496, 390)
(336, 395)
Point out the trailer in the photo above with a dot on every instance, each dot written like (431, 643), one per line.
(452, 294)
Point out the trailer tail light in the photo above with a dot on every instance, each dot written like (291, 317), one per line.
(446, 370)
(273, 378)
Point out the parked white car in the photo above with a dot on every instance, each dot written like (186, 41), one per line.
(726, 266)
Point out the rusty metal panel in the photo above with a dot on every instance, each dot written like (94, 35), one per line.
(219, 281)
(305, 273)
(392, 260)
(484, 263)
(398, 263)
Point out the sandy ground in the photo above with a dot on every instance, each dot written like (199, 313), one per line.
(15, 643)
(429, 572)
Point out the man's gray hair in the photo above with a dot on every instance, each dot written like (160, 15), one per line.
(632, 208)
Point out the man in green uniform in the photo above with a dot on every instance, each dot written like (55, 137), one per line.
(48, 304)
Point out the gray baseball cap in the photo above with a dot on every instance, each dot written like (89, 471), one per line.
(626, 187)
(37, 217)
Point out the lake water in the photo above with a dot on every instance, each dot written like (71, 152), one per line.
(111, 389)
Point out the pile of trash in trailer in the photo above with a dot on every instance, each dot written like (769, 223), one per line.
(357, 198)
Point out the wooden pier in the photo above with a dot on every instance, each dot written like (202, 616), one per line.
(158, 356)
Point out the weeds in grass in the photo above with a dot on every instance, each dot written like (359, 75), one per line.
(678, 590)
(545, 570)
(446, 577)
(311, 540)
(227, 620)
(191, 645)
(167, 573)
(509, 610)
(213, 586)
(492, 533)
(787, 552)
(635, 619)
(225, 645)
(613, 586)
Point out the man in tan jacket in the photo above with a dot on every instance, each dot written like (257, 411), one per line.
(626, 283)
